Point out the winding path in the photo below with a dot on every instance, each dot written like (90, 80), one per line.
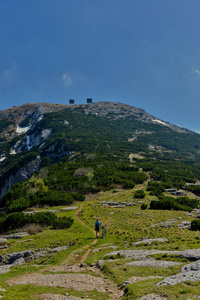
(85, 255)
(75, 274)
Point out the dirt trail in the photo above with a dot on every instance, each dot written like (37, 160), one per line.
(85, 255)
(72, 277)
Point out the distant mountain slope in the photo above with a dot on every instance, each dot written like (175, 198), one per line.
(33, 135)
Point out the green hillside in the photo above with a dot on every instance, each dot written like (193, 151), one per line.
(75, 132)
(138, 176)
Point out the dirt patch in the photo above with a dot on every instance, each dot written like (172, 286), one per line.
(76, 268)
(135, 155)
(77, 282)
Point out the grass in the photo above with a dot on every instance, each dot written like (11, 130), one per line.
(121, 272)
(125, 226)
(181, 291)
(31, 292)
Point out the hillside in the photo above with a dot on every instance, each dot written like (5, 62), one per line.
(62, 167)
(34, 135)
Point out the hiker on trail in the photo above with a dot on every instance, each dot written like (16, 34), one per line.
(97, 227)
(103, 232)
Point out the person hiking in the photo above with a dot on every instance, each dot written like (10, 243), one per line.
(103, 232)
(97, 227)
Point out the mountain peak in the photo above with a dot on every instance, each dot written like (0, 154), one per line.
(33, 112)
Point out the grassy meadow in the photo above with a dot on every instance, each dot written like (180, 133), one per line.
(124, 226)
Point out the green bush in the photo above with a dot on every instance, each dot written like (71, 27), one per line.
(42, 218)
(18, 205)
(78, 197)
(12, 221)
(144, 206)
(195, 225)
(14, 202)
(169, 204)
(139, 194)
(128, 184)
(62, 223)
(17, 220)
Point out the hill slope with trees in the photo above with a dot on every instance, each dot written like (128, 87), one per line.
(139, 175)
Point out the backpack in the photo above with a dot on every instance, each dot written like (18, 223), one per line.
(97, 225)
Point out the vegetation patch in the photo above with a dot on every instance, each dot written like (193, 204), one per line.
(18, 220)
(117, 256)
(169, 203)
(195, 225)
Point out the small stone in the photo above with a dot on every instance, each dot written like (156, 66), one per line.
(70, 208)
(3, 240)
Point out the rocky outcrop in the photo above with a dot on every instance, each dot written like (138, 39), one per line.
(18, 258)
(150, 241)
(23, 174)
(142, 258)
(31, 112)
(116, 204)
(35, 139)
(181, 277)
(152, 263)
(56, 150)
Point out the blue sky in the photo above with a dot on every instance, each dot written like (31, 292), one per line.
(145, 53)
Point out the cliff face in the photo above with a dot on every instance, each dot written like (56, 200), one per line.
(32, 113)
(22, 174)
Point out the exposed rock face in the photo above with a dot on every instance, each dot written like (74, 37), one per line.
(23, 174)
(35, 139)
(152, 263)
(181, 277)
(195, 266)
(153, 297)
(150, 241)
(18, 258)
(32, 111)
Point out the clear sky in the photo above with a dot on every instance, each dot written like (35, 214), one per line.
(145, 53)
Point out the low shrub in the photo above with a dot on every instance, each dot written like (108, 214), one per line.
(19, 220)
(139, 194)
(78, 197)
(62, 223)
(42, 218)
(170, 204)
(128, 184)
(195, 225)
(40, 198)
(12, 221)
(144, 206)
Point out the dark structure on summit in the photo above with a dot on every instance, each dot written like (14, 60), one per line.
(71, 101)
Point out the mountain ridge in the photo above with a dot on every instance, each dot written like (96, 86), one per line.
(48, 133)
(17, 114)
